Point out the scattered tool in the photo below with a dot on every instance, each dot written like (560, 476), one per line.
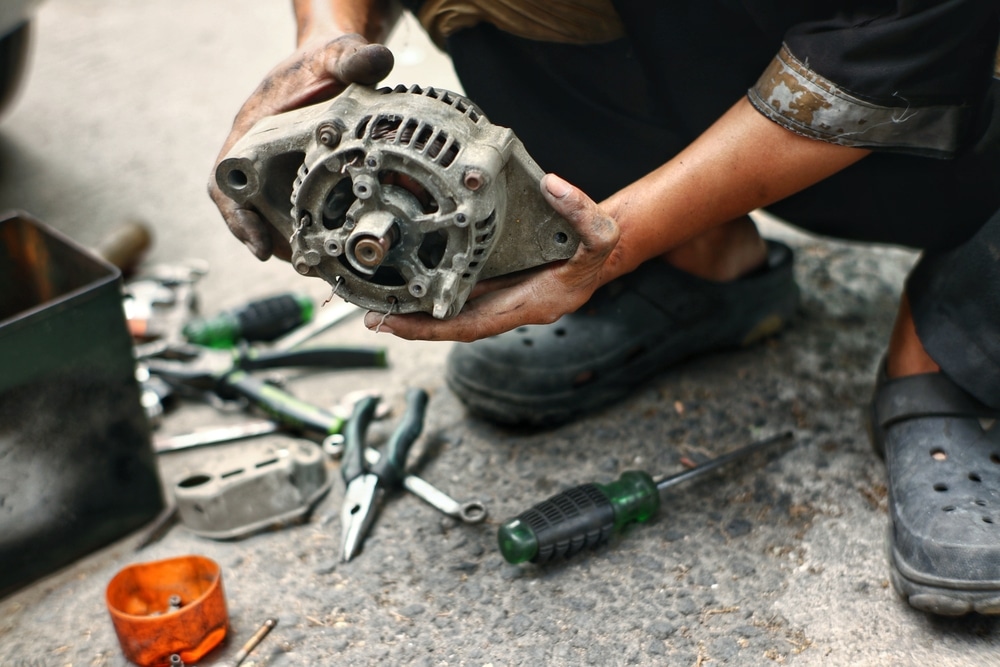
(588, 515)
(251, 644)
(471, 511)
(261, 320)
(252, 428)
(215, 436)
(224, 375)
(125, 246)
(366, 484)
(159, 302)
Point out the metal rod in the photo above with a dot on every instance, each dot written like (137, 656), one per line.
(214, 436)
(719, 462)
(326, 319)
(253, 641)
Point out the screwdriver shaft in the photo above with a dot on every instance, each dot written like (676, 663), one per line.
(719, 462)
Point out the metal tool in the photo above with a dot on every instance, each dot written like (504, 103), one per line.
(365, 484)
(471, 511)
(159, 302)
(215, 436)
(325, 319)
(225, 375)
(586, 516)
(252, 428)
(251, 644)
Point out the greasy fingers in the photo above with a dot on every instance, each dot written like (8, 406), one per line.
(243, 223)
(599, 234)
(317, 71)
(363, 63)
(539, 296)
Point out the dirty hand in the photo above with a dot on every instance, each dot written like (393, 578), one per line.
(318, 70)
(540, 296)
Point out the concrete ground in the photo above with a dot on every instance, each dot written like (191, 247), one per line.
(124, 110)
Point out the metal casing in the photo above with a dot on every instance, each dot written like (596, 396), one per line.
(253, 492)
(76, 466)
(401, 199)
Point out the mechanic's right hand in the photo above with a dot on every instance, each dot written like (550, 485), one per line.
(318, 70)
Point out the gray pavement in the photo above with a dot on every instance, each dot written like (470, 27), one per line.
(124, 109)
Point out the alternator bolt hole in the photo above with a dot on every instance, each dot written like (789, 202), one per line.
(371, 163)
(194, 480)
(561, 237)
(938, 454)
(940, 487)
(461, 218)
(237, 179)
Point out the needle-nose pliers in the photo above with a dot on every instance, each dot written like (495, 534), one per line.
(365, 483)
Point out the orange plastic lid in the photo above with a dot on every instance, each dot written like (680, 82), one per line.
(173, 606)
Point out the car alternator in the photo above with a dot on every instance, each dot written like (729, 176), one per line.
(400, 198)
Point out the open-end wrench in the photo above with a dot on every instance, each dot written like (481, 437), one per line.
(473, 511)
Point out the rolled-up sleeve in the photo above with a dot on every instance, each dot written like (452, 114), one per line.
(906, 76)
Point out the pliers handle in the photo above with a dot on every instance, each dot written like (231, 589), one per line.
(391, 465)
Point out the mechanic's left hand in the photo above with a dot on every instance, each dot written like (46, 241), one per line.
(540, 296)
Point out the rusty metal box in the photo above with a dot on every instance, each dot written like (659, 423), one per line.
(77, 470)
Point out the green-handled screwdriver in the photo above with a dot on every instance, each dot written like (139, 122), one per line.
(588, 515)
(262, 320)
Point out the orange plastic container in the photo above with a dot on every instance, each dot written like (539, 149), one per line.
(149, 628)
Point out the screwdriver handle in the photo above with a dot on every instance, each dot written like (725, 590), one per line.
(583, 517)
(262, 320)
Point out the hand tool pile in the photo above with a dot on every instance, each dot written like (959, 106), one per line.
(214, 360)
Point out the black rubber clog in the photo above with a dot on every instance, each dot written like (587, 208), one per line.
(942, 456)
(630, 330)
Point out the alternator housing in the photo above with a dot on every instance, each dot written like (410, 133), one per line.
(400, 198)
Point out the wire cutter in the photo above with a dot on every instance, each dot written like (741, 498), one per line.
(365, 483)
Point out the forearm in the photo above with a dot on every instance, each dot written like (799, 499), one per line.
(372, 19)
(743, 162)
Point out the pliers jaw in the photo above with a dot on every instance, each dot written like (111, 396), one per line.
(358, 513)
(365, 484)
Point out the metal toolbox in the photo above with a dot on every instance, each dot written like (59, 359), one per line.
(77, 470)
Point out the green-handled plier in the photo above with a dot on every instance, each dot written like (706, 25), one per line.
(367, 483)
(226, 374)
